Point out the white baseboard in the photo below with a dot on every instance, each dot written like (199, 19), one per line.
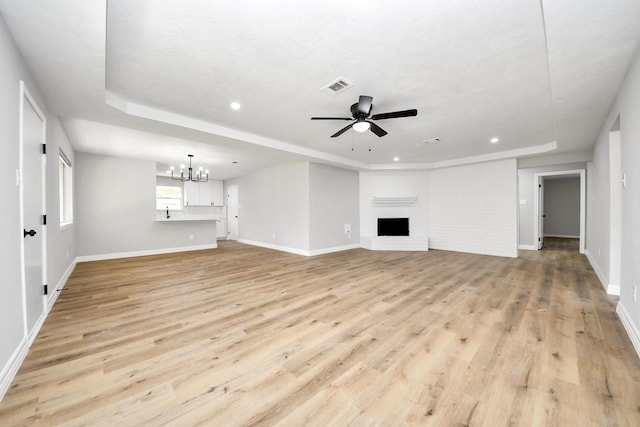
(527, 247)
(629, 326)
(610, 289)
(562, 236)
(132, 254)
(334, 249)
(63, 281)
(299, 251)
(11, 368)
(276, 247)
(613, 289)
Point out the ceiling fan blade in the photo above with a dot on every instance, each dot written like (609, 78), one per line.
(341, 131)
(331, 118)
(377, 129)
(364, 105)
(395, 114)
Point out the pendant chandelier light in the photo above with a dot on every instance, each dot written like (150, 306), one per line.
(200, 175)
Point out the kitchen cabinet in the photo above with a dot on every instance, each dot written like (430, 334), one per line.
(203, 193)
(221, 228)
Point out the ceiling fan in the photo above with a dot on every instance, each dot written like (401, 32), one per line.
(361, 111)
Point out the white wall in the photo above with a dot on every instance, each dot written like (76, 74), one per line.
(333, 202)
(562, 207)
(473, 208)
(116, 211)
(627, 106)
(526, 193)
(394, 184)
(273, 206)
(13, 339)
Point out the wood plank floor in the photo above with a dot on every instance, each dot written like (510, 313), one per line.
(242, 335)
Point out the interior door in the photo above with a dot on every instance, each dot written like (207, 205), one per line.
(232, 212)
(32, 166)
(540, 212)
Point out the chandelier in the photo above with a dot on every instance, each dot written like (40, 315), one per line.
(200, 175)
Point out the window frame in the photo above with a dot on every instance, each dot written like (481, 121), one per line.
(65, 189)
(180, 199)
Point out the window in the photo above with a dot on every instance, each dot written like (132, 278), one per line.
(65, 178)
(168, 197)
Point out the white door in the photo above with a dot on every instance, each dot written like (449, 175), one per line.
(540, 212)
(32, 167)
(232, 213)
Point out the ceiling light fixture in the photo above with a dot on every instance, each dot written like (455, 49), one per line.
(395, 159)
(235, 106)
(494, 140)
(200, 176)
(361, 126)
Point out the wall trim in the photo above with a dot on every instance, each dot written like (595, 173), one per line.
(13, 365)
(11, 368)
(613, 289)
(117, 255)
(334, 249)
(63, 281)
(608, 288)
(302, 252)
(527, 247)
(629, 326)
(562, 236)
(275, 247)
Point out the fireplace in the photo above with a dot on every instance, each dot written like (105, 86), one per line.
(393, 226)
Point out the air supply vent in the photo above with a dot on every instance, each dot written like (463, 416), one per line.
(338, 85)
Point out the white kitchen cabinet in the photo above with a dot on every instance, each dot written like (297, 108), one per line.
(217, 194)
(203, 193)
(221, 228)
(191, 193)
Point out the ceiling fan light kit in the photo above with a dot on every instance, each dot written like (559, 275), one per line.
(361, 126)
(361, 116)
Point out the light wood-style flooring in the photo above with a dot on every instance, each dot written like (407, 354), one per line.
(242, 335)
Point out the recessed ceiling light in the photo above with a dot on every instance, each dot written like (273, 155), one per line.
(395, 159)
(494, 140)
(235, 106)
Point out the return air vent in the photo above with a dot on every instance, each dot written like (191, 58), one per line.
(338, 85)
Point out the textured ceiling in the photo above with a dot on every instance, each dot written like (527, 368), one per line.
(474, 70)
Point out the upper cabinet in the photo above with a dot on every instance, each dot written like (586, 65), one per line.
(217, 198)
(203, 193)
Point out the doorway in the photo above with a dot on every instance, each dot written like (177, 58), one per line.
(32, 208)
(540, 216)
(232, 212)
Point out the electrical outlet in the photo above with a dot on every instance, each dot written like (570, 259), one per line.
(190, 236)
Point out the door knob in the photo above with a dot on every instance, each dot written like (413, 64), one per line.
(29, 233)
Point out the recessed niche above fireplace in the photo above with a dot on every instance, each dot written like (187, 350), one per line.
(393, 226)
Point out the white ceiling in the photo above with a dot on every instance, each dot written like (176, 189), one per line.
(154, 80)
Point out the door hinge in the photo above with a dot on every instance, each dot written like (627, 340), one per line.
(538, 237)
(46, 290)
(44, 219)
(539, 186)
(44, 148)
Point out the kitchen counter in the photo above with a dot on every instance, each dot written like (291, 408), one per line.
(187, 218)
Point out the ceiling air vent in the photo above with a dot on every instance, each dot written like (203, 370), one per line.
(431, 140)
(338, 85)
